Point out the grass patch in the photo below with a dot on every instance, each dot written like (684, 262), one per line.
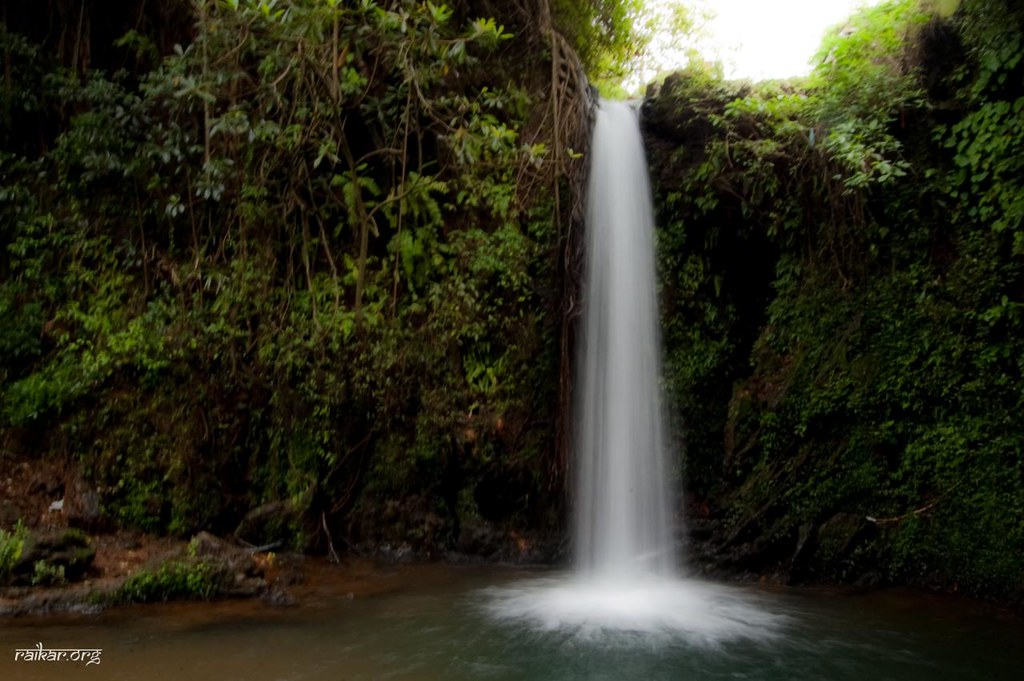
(175, 580)
(12, 543)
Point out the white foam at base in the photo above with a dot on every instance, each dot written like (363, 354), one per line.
(697, 612)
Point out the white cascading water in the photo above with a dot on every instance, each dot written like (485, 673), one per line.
(626, 578)
(623, 510)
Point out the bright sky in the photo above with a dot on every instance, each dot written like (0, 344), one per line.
(761, 39)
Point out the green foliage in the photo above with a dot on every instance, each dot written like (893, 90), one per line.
(879, 378)
(21, 324)
(862, 71)
(605, 34)
(12, 543)
(982, 141)
(311, 228)
(624, 43)
(47, 574)
(174, 580)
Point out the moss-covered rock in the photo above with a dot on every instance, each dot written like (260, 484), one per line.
(70, 550)
(207, 568)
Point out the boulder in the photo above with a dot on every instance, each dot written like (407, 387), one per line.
(268, 524)
(216, 551)
(67, 548)
(839, 549)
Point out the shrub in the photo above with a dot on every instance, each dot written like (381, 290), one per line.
(11, 545)
(48, 574)
(174, 580)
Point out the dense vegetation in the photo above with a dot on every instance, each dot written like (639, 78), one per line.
(304, 257)
(844, 293)
(306, 271)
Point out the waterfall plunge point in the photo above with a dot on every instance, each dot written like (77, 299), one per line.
(626, 576)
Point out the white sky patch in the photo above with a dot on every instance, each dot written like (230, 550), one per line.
(761, 39)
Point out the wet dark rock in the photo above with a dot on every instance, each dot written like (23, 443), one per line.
(847, 548)
(230, 557)
(400, 553)
(9, 514)
(44, 485)
(244, 571)
(480, 539)
(502, 494)
(277, 596)
(493, 543)
(760, 542)
(841, 549)
(33, 601)
(82, 506)
(802, 564)
(269, 523)
(405, 529)
(69, 549)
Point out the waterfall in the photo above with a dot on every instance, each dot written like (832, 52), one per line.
(623, 510)
(625, 579)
